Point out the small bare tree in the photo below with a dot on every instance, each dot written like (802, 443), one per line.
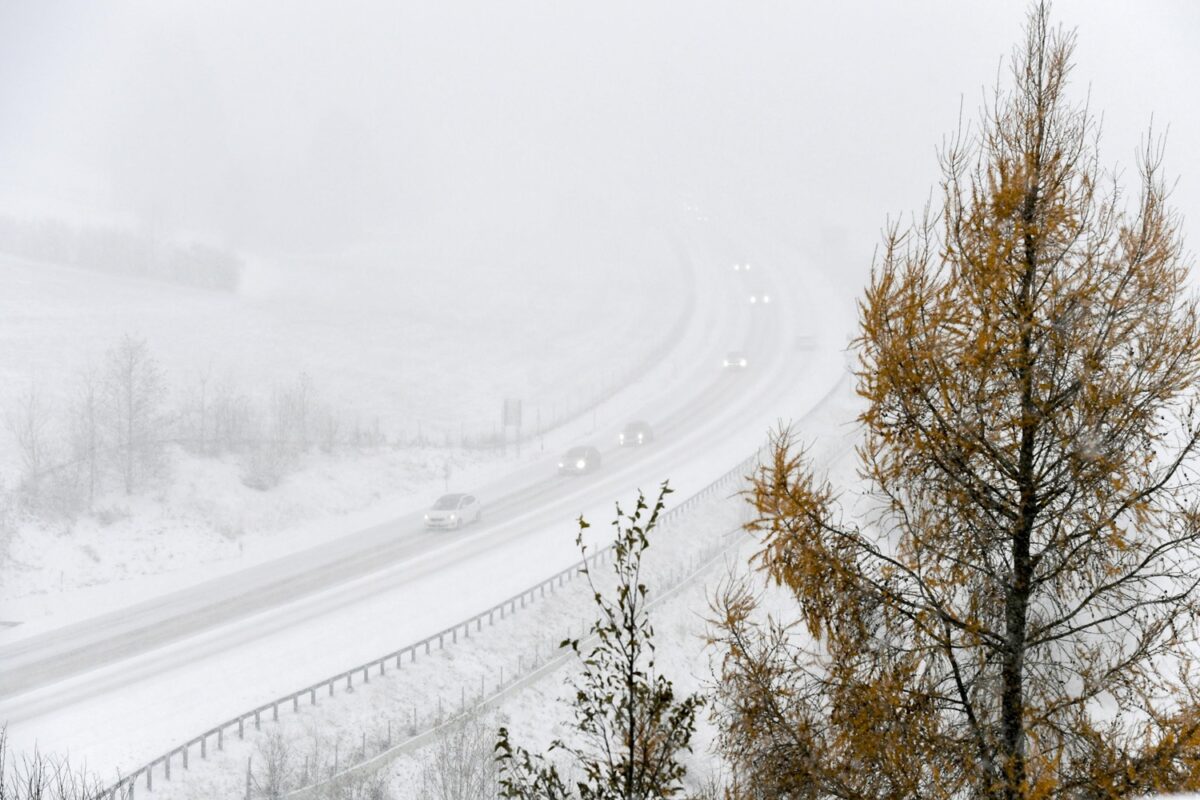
(460, 765)
(133, 398)
(37, 776)
(273, 777)
(28, 421)
(86, 417)
(231, 419)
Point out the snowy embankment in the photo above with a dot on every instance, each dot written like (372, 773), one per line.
(393, 354)
(380, 716)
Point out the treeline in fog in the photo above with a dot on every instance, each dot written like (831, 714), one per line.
(120, 252)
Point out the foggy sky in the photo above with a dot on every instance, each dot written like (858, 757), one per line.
(293, 126)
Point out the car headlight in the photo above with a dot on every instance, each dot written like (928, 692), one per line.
(561, 465)
(640, 437)
(753, 299)
(427, 518)
(580, 464)
(742, 362)
(621, 438)
(766, 298)
(453, 517)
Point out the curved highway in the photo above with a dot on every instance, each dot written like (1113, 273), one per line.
(700, 414)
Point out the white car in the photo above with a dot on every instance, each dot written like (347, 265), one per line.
(453, 511)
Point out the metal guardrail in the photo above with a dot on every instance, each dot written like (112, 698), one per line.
(125, 788)
(675, 583)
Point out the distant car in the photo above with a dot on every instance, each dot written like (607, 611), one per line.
(579, 460)
(760, 298)
(741, 267)
(635, 433)
(735, 359)
(453, 511)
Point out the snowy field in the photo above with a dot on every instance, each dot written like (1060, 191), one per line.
(439, 686)
(176, 691)
(382, 352)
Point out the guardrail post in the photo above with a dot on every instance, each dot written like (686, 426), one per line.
(312, 693)
(257, 721)
(221, 738)
(150, 778)
(204, 747)
(440, 645)
(479, 623)
(349, 681)
(426, 648)
(185, 756)
(454, 634)
(241, 727)
(331, 688)
(295, 704)
(491, 618)
(382, 661)
(398, 655)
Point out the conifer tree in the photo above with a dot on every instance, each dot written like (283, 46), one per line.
(1011, 610)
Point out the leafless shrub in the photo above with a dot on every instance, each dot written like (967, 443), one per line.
(40, 777)
(461, 765)
(85, 434)
(28, 420)
(274, 775)
(133, 393)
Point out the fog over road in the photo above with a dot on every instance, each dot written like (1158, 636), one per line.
(180, 647)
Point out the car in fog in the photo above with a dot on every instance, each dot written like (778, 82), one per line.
(741, 267)
(579, 460)
(761, 298)
(635, 433)
(453, 511)
(735, 359)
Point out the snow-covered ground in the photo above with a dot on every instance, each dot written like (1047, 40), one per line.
(409, 700)
(215, 674)
(431, 354)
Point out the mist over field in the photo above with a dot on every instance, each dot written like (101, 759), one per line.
(278, 279)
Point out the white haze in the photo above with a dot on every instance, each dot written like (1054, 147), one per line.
(301, 127)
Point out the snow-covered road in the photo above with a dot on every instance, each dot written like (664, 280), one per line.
(118, 688)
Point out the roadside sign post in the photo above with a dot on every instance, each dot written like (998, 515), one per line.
(510, 416)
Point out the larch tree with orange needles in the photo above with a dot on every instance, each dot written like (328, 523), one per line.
(1012, 610)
